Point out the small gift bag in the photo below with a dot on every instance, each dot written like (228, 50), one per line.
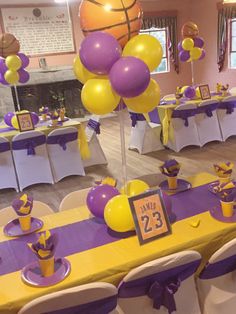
(23, 207)
(224, 171)
(44, 112)
(62, 112)
(227, 194)
(170, 169)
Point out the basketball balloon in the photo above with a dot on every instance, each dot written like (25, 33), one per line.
(189, 29)
(9, 45)
(120, 18)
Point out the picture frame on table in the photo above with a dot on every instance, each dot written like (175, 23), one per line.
(25, 122)
(205, 92)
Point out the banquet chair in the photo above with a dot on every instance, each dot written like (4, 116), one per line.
(39, 209)
(97, 297)
(64, 155)
(217, 282)
(165, 285)
(97, 156)
(226, 113)
(7, 168)
(184, 127)
(31, 159)
(74, 199)
(207, 122)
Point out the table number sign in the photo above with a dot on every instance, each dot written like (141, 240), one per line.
(205, 92)
(25, 122)
(150, 217)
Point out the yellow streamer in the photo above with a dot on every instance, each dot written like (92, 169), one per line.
(83, 144)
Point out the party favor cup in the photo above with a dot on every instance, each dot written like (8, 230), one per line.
(224, 179)
(44, 116)
(25, 222)
(172, 182)
(47, 266)
(227, 208)
(62, 116)
(54, 122)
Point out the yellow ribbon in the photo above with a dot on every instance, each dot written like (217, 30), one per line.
(83, 144)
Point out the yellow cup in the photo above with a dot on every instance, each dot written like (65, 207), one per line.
(62, 116)
(44, 116)
(227, 208)
(47, 266)
(224, 179)
(172, 182)
(25, 222)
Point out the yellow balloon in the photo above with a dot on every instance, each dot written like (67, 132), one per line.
(183, 89)
(147, 101)
(14, 122)
(187, 44)
(12, 77)
(117, 214)
(198, 94)
(195, 53)
(146, 48)
(98, 97)
(81, 73)
(134, 187)
(13, 62)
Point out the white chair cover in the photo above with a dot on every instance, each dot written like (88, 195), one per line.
(184, 135)
(7, 169)
(227, 120)
(74, 199)
(232, 91)
(31, 168)
(64, 155)
(90, 298)
(217, 282)
(160, 274)
(207, 122)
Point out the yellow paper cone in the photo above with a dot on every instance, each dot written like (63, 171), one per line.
(47, 266)
(54, 122)
(44, 116)
(172, 182)
(227, 208)
(25, 222)
(225, 179)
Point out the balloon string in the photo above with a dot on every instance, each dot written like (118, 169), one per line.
(17, 98)
(122, 143)
(192, 71)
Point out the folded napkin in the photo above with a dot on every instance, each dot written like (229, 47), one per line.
(43, 110)
(224, 169)
(226, 191)
(170, 168)
(107, 180)
(23, 205)
(45, 246)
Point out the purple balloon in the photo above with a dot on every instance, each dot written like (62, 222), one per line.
(184, 55)
(99, 51)
(180, 48)
(2, 80)
(8, 117)
(198, 42)
(24, 76)
(189, 92)
(35, 117)
(98, 197)
(202, 55)
(120, 106)
(129, 77)
(3, 67)
(24, 59)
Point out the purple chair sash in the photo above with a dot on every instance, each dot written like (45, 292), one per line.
(29, 144)
(94, 125)
(220, 268)
(184, 114)
(136, 117)
(4, 147)
(160, 287)
(228, 106)
(154, 116)
(62, 139)
(103, 306)
(207, 109)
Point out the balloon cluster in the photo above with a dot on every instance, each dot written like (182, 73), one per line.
(112, 76)
(189, 91)
(191, 47)
(12, 62)
(10, 118)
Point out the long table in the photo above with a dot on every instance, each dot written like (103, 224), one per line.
(96, 255)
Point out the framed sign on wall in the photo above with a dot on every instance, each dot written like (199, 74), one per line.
(42, 30)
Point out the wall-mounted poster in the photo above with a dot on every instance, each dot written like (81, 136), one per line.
(41, 30)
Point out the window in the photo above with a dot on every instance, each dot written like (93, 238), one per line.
(161, 35)
(233, 44)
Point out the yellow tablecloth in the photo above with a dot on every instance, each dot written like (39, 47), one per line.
(112, 261)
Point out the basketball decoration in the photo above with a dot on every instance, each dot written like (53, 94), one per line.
(9, 45)
(120, 18)
(189, 30)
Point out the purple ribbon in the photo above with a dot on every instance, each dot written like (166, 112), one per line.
(160, 287)
(94, 125)
(184, 114)
(228, 106)
(62, 139)
(103, 306)
(29, 144)
(207, 109)
(136, 117)
(4, 147)
(154, 116)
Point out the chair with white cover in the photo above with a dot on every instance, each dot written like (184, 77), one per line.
(31, 159)
(226, 113)
(97, 297)
(207, 122)
(184, 127)
(217, 282)
(165, 285)
(7, 169)
(74, 199)
(39, 209)
(64, 154)
(232, 91)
